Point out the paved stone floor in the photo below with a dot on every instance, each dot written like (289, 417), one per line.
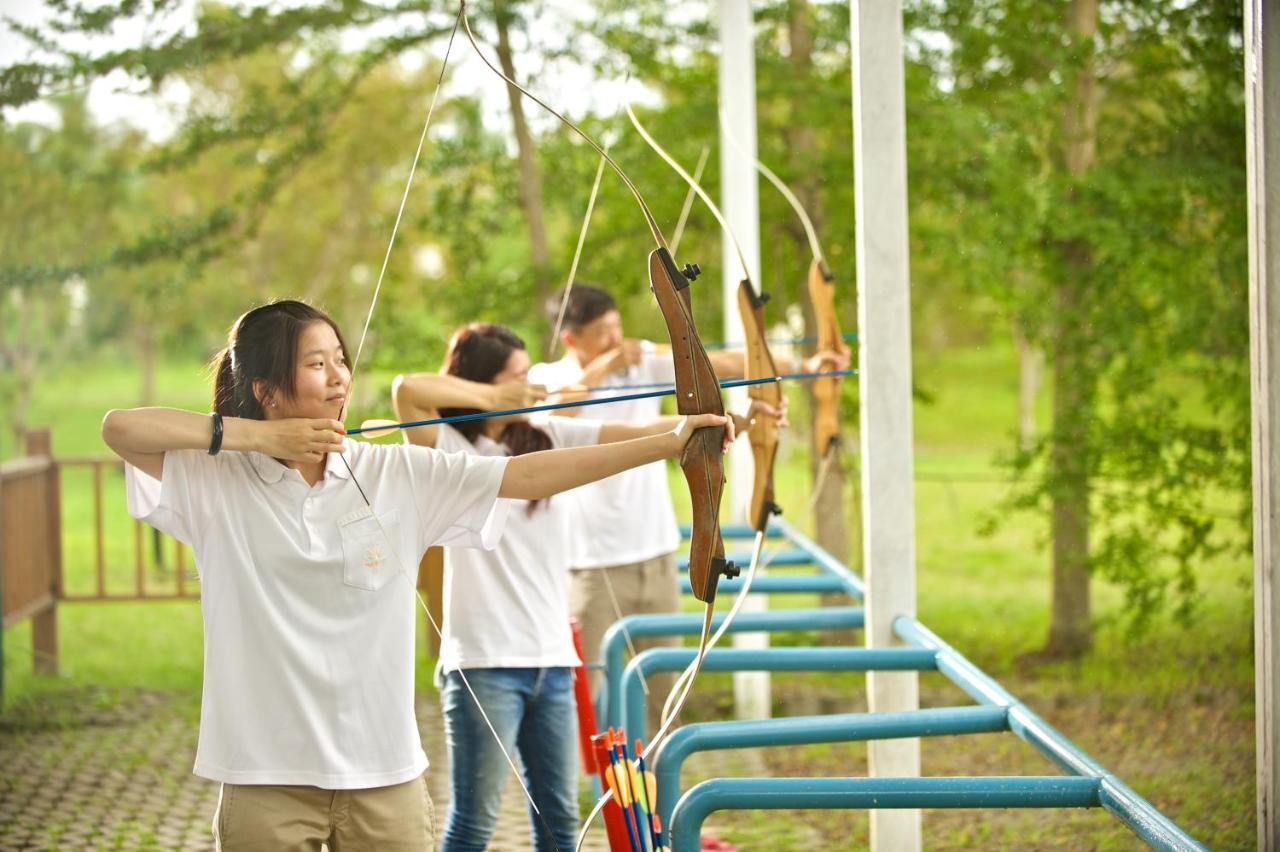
(113, 771)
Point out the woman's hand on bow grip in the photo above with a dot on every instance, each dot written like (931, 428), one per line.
(300, 438)
(688, 425)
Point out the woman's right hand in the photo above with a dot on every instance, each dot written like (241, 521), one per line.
(300, 438)
(517, 394)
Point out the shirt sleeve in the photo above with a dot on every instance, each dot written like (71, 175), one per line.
(570, 431)
(656, 366)
(450, 440)
(182, 500)
(456, 495)
(554, 375)
(541, 374)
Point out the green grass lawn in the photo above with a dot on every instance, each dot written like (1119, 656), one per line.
(1171, 712)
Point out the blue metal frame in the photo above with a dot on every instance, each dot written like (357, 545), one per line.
(1030, 791)
(1088, 783)
(791, 556)
(741, 531)
(613, 647)
(760, 660)
(1116, 796)
(804, 730)
(783, 583)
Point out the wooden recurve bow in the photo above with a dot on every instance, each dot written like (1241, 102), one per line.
(763, 429)
(821, 283)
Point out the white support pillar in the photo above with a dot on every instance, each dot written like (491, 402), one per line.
(740, 202)
(1262, 131)
(884, 382)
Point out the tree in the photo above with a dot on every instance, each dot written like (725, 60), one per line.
(526, 156)
(53, 184)
(1092, 154)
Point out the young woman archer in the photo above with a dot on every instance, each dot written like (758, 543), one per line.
(506, 610)
(307, 543)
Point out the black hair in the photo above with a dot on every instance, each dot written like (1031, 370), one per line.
(586, 304)
(263, 346)
(478, 352)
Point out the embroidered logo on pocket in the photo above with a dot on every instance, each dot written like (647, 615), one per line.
(369, 549)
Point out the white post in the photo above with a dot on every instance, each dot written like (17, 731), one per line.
(740, 202)
(1262, 111)
(884, 382)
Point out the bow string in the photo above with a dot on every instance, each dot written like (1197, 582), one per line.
(763, 429)
(404, 198)
(697, 392)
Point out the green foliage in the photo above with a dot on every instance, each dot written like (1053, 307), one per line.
(286, 175)
(1161, 313)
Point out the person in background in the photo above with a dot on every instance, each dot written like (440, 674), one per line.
(625, 562)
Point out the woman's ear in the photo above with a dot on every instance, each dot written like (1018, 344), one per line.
(263, 394)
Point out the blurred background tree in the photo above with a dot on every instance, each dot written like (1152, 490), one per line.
(1076, 188)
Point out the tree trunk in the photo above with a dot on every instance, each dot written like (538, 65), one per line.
(530, 179)
(1030, 374)
(1070, 630)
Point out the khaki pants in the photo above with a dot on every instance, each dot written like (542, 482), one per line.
(265, 818)
(639, 587)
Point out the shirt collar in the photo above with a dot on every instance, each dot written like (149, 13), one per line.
(272, 471)
(334, 465)
(268, 469)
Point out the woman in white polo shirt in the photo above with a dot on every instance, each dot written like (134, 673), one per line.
(306, 543)
(506, 610)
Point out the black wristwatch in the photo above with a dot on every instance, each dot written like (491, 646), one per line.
(216, 444)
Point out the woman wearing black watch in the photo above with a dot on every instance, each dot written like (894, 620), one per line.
(307, 545)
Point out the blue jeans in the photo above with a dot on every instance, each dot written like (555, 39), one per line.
(534, 713)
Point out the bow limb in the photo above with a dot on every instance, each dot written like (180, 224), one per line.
(763, 429)
(697, 392)
(404, 569)
(826, 390)
(764, 444)
(577, 251)
(688, 199)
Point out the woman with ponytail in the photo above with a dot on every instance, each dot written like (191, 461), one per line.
(506, 610)
(307, 545)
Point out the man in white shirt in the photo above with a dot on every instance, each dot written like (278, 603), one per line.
(627, 538)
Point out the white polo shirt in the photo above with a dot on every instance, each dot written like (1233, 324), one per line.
(509, 607)
(627, 517)
(309, 604)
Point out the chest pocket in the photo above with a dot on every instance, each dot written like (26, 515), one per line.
(369, 558)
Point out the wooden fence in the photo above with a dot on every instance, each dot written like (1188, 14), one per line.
(31, 550)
